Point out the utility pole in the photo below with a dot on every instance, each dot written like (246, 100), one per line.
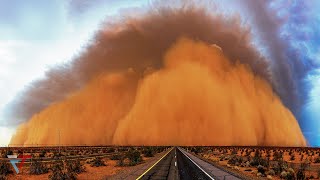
(59, 140)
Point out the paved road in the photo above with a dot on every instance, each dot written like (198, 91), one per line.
(188, 170)
(164, 169)
(179, 164)
(211, 170)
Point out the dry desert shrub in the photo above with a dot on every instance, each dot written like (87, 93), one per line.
(37, 168)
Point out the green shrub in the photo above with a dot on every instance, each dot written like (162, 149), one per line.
(58, 172)
(38, 168)
(5, 168)
(292, 157)
(283, 175)
(42, 154)
(57, 155)
(9, 152)
(160, 149)
(196, 150)
(222, 158)
(317, 160)
(75, 166)
(121, 161)
(271, 172)
(301, 174)
(234, 151)
(110, 150)
(148, 152)
(280, 166)
(134, 156)
(97, 162)
(277, 156)
(261, 169)
(235, 160)
(115, 157)
(259, 161)
(290, 174)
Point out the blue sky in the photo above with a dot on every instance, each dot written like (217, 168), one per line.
(36, 35)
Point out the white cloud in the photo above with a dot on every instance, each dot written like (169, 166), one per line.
(5, 136)
(22, 63)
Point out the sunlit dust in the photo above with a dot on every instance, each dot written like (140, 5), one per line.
(199, 97)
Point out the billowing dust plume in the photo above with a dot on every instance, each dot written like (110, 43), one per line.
(138, 42)
(198, 97)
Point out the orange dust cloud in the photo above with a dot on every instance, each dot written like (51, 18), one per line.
(86, 117)
(199, 97)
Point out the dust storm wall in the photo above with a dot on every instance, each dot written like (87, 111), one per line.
(199, 97)
(151, 80)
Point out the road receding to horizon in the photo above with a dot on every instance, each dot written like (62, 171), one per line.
(179, 164)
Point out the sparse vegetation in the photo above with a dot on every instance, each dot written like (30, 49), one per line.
(261, 169)
(148, 152)
(97, 162)
(121, 161)
(110, 150)
(5, 169)
(317, 160)
(59, 172)
(291, 163)
(69, 161)
(196, 150)
(37, 168)
(265, 162)
(42, 154)
(116, 157)
(134, 157)
(75, 166)
(301, 174)
(292, 157)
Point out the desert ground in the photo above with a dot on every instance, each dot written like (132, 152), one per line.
(108, 162)
(76, 162)
(264, 162)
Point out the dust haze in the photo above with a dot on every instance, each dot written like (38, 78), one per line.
(158, 79)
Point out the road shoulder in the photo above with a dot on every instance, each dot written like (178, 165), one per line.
(213, 171)
(133, 172)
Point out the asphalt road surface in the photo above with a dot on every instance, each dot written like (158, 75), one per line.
(164, 169)
(210, 170)
(178, 164)
(188, 170)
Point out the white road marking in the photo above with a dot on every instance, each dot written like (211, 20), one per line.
(154, 164)
(197, 165)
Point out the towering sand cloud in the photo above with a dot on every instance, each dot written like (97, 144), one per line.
(86, 117)
(170, 76)
(199, 97)
(139, 42)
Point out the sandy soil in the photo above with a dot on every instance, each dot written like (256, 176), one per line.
(308, 156)
(92, 173)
